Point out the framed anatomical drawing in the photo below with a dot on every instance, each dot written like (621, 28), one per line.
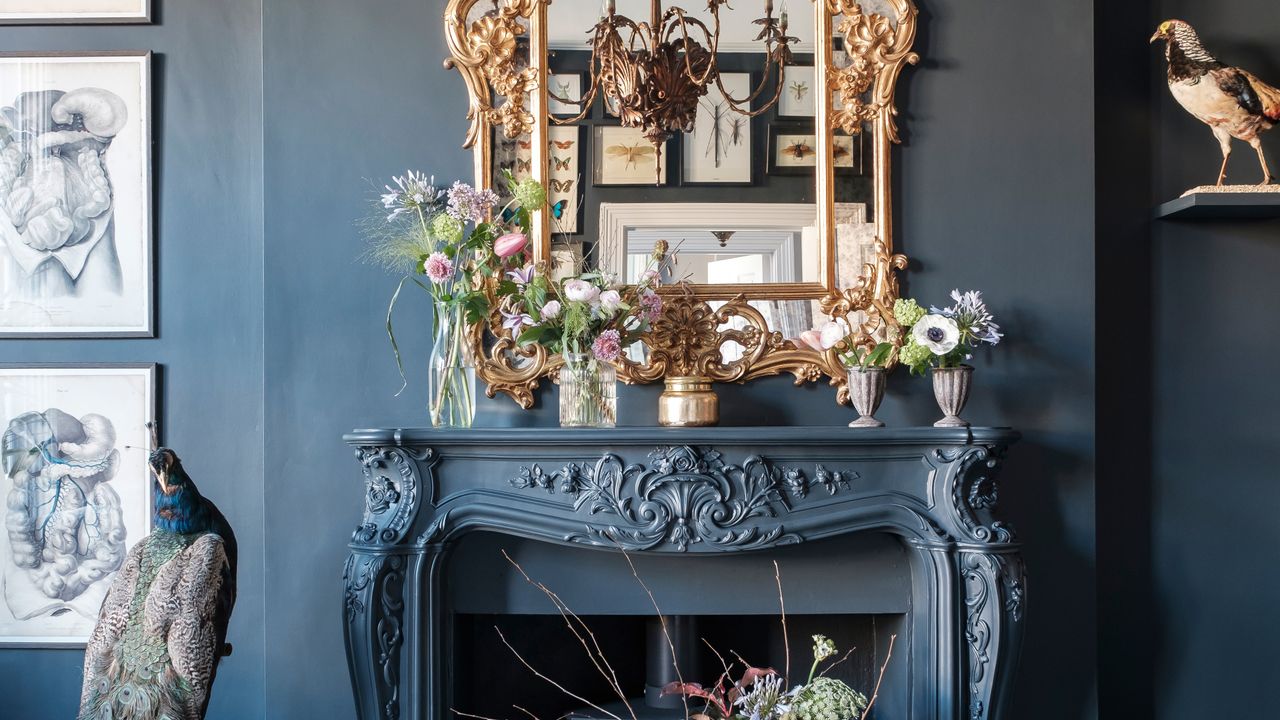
(75, 195)
(47, 12)
(73, 473)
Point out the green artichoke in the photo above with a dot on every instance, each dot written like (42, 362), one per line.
(827, 699)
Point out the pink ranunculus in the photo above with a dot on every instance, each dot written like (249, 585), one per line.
(812, 338)
(438, 267)
(608, 346)
(510, 244)
(551, 310)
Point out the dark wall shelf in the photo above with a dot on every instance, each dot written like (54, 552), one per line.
(1222, 206)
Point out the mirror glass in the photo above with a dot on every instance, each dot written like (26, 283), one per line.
(736, 196)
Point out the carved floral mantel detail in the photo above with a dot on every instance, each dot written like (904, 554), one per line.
(726, 490)
(686, 495)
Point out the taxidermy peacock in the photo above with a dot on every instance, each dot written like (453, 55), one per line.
(1233, 102)
(163, 625)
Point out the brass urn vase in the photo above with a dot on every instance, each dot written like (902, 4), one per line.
(688, 401)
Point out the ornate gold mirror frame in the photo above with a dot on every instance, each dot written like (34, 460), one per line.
(509, 95)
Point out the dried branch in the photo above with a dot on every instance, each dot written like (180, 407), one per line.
(459, 713)
(597, 657)
(786, 641)
(876, 693)
(526, 712)
(553, 683)
(675, 661)
(833, 665)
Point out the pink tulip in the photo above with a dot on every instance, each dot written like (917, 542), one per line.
(510, 244)
(812, 338)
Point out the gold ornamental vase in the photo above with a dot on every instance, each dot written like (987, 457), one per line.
(688, 402)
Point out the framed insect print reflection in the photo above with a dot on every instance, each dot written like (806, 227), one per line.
(793, 150)
(798, 90)
(564, 182)
(718, 151)
(623, 156)
(564, 94)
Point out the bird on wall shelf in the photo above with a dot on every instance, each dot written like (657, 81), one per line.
(162, 628)
(1232, 102)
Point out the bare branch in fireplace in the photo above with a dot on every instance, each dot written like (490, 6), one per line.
(876, 693)
(597, 656)
(786, 641)
(675, 662)
(553, 683)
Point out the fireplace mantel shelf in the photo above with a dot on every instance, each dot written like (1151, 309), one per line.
(685, 491)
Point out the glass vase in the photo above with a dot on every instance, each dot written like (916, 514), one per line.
(452, 388)
(588, 392)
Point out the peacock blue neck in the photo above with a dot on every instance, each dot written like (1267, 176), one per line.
(181, 512)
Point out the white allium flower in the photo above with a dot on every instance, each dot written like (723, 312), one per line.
(938, 333)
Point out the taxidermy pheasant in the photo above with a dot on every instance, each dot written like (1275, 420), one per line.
(1232, 102)
(163, 625)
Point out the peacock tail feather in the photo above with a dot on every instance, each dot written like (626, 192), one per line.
(138, 681)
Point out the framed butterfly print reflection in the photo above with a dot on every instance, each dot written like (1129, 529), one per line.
(623, 156)
(564, 177)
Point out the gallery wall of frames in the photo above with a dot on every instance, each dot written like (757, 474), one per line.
(124, 151)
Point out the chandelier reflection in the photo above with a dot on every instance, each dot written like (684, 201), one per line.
(652, 74)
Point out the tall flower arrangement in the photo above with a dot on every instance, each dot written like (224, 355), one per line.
(450, 242)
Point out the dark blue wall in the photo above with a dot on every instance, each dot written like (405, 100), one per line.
(995, 192)
(207, 80)
(1215, 429)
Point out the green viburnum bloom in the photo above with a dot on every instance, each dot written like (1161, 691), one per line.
(446, 227)
(530, 194)
(907, 312)
(827, 699)
(914, 355)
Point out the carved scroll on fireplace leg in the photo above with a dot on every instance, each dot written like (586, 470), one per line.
(993, 592)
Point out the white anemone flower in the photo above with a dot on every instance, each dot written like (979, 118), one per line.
(939, 333)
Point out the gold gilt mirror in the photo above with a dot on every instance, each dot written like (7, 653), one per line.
(756, 140)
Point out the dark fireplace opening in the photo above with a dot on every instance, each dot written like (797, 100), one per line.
(489, 680)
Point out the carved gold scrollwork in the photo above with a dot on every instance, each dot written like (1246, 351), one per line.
(484, 52)
(877, 48)
(689, 337)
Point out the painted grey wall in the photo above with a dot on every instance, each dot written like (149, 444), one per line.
(995, 191)
(1215, 420)
(207, 80)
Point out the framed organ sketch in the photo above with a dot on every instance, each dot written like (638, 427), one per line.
(70, 12)
(73, 472)
(75, 195)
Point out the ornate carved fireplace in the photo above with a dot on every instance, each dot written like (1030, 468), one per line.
(702, 492)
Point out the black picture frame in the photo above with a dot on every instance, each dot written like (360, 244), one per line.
(682, 140)
(582, 86)
(780, 132)
(598, 147)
